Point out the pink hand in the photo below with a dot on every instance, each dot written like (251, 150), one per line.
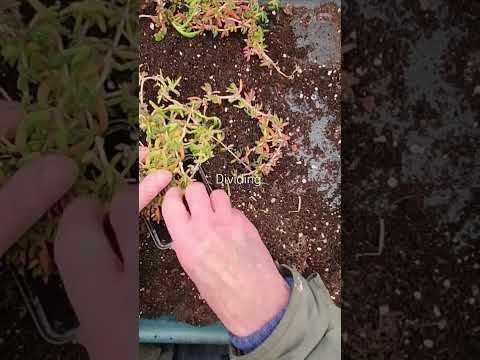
(102, 290)
(223, 254)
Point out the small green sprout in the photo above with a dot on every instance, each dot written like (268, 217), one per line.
(273, 5)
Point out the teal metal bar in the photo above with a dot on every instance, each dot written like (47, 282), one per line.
(167, 330)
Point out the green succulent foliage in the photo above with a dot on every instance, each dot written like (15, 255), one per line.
(64, 55)
(181, 136)
(191, 18)
(273, 5)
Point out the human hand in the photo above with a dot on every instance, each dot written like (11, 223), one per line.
(96, 253)
(101, 282)
(33, 189)
(222, 252)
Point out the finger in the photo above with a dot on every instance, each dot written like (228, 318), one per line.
(81, 231)
(84, 257)
(221, 203)
(11, 116)
(198, 200)
(124, 220)
(142, 153)
(151, 186)
(86, 263)
(247, 224)
(174, 211)
(31, 192)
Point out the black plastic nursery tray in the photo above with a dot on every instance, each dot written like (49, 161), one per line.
(48, 305)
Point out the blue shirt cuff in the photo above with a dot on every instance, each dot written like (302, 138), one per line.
(249, 343)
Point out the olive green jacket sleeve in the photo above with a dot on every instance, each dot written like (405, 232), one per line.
(310, 328)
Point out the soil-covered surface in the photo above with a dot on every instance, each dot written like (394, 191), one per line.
(410, 174)
(297, 209)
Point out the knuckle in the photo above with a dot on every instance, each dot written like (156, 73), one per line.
(171, 193)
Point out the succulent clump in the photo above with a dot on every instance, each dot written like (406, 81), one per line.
(181, 136)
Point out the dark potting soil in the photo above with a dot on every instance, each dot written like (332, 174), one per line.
(411, 110)
(297, 220)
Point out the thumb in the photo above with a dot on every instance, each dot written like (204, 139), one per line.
(31, 192)
(151, 186)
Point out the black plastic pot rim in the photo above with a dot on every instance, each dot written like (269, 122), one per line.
(39, 317)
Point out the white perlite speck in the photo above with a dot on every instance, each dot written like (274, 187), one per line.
(417, 149)
(475, 290)
(392, 182)
(476, 91)
(428, 343)
(384, 310)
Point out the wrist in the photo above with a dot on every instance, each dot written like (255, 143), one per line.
(247, 344)
(264, 307)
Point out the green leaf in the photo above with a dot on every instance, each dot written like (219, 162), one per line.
(159, 36)
(273, 5)
(184, 31)
(232, 88)
(207, 88)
